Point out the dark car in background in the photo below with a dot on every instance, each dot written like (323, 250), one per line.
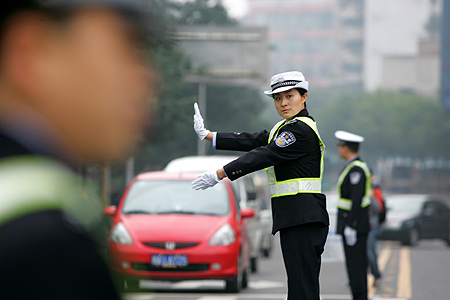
(411, 218)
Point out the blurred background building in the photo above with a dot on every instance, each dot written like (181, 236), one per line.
(401, 50)
(372, 44)
(302, 36)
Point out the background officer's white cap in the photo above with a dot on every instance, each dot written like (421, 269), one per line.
(348, 137)
(286, 81)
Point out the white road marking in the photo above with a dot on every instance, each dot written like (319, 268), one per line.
(265, 284)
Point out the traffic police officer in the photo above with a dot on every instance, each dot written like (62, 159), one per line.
(354, 188)
(72, 88)
(292, 153)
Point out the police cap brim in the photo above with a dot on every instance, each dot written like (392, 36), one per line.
(348, 137)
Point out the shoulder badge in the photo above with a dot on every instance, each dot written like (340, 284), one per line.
(355, 177)
(285, 139)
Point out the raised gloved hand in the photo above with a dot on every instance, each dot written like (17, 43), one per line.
(350, 236)
(205, 180)
(199, 127)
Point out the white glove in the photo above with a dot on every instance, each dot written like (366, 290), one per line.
(205, 180)
(350, 236)
(199, 127)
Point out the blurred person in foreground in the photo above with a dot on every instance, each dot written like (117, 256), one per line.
(73, 87)
(292, 154)
(377, 216)
(354, 191)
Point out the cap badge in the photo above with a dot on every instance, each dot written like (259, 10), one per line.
(280, 78)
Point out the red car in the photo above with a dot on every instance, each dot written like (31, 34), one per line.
(165, 230)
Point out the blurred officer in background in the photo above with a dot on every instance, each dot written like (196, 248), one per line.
(73, 85)
(354, 191)
(293, 154)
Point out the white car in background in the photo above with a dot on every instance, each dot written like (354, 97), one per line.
(249, 190)
(333, 246)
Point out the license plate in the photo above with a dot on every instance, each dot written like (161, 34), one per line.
(169, 261)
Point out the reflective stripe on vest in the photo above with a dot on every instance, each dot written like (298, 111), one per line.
(346, 204)
(30, 184)
(296, 185)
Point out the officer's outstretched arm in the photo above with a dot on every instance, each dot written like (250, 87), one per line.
(199, 126)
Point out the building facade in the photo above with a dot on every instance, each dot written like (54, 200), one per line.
(366, 44)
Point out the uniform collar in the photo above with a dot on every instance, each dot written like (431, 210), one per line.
(302, 113)
(353, 158)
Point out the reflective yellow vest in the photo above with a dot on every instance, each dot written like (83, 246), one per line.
(346, 204)
(296, 185)
(31, 184)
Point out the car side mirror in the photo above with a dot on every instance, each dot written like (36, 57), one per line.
(110, 210)
(247, 213)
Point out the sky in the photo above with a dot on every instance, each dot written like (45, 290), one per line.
(236, 8)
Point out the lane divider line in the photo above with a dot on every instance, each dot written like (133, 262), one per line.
(383, 258)
(404, 275)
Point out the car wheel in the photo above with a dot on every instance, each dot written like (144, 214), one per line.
(244, 283)
(254, 264)
(413, 237)
(234, 284)
(266, 252)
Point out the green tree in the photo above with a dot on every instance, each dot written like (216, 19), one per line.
(392, 123)
(171, 134)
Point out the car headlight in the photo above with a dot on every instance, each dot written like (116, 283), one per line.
(120, 235)
(223, 236)
(393, 224)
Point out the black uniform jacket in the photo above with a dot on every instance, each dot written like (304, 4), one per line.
(354, 188)
(300, 159)
(48, 255)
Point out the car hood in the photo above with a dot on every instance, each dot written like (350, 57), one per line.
(180, 228)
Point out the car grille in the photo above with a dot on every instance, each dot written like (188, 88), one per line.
(188, 268)
(177, 245)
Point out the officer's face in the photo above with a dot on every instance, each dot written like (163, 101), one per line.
(87, 80)
(289, 103)
(343, 150)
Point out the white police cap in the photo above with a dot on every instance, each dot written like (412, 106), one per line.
(348, 137)
(285, 81)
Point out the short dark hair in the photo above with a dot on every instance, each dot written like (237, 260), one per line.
(301, 91)
(353, 147)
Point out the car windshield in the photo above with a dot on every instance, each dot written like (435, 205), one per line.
(404, 205)
(175, 197)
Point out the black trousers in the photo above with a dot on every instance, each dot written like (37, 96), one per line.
(302, 247)
(357, 262)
